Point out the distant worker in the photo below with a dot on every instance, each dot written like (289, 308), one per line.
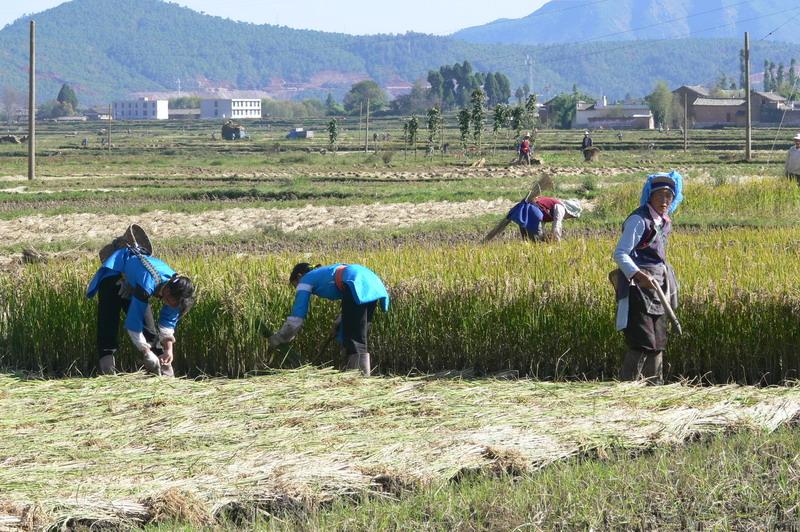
(792, 168)
(359, 289)
(85, 142)
(641, 257)
(587, 141)
(619, 135)
(525, 151)
(128, 278)
(531, 215)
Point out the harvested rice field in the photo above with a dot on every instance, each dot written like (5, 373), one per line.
(129, 450)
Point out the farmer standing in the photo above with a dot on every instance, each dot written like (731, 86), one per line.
(126, 281)
(531, 215)
(641, 255)
(525, 151)
(587, 141)
(359, 289)
(792, 167)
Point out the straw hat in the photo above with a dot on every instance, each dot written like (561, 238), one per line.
(134, 235)
(797, 137)
(573, 207)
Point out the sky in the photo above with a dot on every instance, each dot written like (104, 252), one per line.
(439, 17)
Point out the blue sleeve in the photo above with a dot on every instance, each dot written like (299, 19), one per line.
(168, 317)
(632, 232)
(136, 311)
(302, 300)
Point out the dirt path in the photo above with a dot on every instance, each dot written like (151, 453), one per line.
(162, 224)
(452, 172)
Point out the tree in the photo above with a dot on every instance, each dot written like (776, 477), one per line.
(333, 133)
(12, 100)
(416, 101)
(500, 117)
(564, 106)
(434, 127)
(436, 81)
(463, 126)
(67, 96)
(362, 92)
(478, 115)
(413, 129)
(531, 112)
(779, 79)
(517, 116)
(519, 94)
(332, 107)
(660, 103)
(767, 81)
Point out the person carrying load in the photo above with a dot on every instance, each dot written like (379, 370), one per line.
(645, 283)
(531, 215)
(360, 291)
(126, 281)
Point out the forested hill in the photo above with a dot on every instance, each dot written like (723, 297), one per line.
(561, 21)
(110, 48)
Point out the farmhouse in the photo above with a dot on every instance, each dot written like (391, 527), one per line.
(236, 108)
(624, 115)
(141, 109)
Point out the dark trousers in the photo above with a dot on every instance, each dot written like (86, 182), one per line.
(110, 304)
(356, 322)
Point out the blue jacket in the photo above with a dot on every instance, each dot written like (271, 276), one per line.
(124, 262)
(365, 285)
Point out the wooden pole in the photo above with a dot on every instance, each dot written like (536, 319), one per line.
(366, 130)
(32, 106)
(685, 121)
(108, 130)
(748, 150)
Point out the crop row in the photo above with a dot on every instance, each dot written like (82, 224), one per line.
(545, 310)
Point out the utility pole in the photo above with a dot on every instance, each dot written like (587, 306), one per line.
(32, 107)
(748, 150)
(366, 130)
(685, 121)
(360, 118)
(108, 129)
(529, 64)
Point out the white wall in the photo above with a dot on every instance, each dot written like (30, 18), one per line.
(237, 109)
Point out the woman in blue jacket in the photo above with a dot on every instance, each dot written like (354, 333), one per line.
(125, 282)
(359, 289)
(641, 255)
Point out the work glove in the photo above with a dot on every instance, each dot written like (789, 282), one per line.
(151, 362)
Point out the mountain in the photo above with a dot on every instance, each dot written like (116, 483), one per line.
(114, 48)
(562, 21)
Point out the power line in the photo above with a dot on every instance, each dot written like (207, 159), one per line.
(779, 27)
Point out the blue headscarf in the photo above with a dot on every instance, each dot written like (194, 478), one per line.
(677, 189)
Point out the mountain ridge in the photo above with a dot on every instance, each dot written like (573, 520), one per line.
(570, 21)
(112, 48)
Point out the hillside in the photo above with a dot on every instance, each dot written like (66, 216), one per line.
(562, 21)
(112, 48)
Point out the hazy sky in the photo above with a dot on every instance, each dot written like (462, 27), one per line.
(348, 16)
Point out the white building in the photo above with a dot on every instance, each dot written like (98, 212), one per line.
(613, 116)
(141, 109)
(236, 109)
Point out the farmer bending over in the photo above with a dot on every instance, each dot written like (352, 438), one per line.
(531, 215)
(641, 255)
(125, 282)
(359, 289)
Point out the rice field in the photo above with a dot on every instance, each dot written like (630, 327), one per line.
(496, 362)
(549, 316)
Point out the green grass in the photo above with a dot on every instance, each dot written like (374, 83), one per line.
(732, 482)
